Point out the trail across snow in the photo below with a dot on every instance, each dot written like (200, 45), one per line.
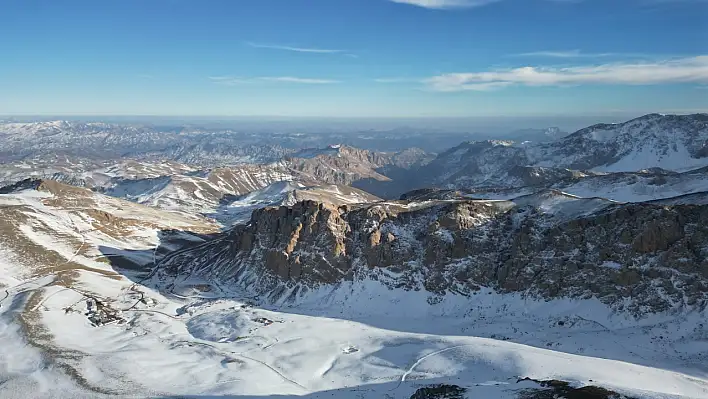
(419, 361)
(225, 346)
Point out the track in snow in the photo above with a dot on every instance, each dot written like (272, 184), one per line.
(420, 360)
(276, 371)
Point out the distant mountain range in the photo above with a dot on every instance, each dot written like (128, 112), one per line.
(212, 147)
(645, 158)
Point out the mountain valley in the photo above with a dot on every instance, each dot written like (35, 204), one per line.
(139, 261)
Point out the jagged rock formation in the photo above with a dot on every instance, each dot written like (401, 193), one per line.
(637, 257)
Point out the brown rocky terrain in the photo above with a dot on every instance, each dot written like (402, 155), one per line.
(345, 165)
(635, 257)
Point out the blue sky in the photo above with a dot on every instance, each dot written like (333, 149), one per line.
(349, 58)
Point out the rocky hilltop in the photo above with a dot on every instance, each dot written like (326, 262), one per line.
(345, 165)
(635, 257)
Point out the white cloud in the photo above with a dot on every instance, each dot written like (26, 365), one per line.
(295, 49)
(232, 81)
(444, 4)
(448, 4)
(683, 70)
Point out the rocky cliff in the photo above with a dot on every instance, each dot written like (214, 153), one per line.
(635, 257)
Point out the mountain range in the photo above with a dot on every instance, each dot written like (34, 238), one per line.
(164, 262)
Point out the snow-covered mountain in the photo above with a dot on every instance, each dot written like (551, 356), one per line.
(184, 144)
(215, 193)
(238, 209)
(194, 189)
(652, 143)
(203, 192)
(639, 186)
(457, 246)
(77, 287)
(210, 192)
(600, 268)
(97, 140)
(573, 267)
(671, 142)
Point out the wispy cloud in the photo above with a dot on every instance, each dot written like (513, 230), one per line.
(581, 54)
(295, 49)
(564, 54)
(450, 4)
(446, 4)
(684, 70)
(232, 81)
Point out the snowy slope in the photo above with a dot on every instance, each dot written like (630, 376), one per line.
(676, 143)
(345, 343)
(620, 187)
(563, 205)
(637, 187)
(672, 142)
(205, 193)
(63, 265)
(239, 209)
(190, 189)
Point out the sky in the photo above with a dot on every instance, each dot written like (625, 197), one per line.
(353, 58)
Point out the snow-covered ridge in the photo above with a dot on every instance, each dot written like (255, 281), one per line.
(653, 144)
(452, 246)
(672, 142)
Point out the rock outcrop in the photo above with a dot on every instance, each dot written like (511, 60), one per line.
(635, 257)
(345, 165)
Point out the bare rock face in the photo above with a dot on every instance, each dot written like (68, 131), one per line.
(278, 238)
(635, 257)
